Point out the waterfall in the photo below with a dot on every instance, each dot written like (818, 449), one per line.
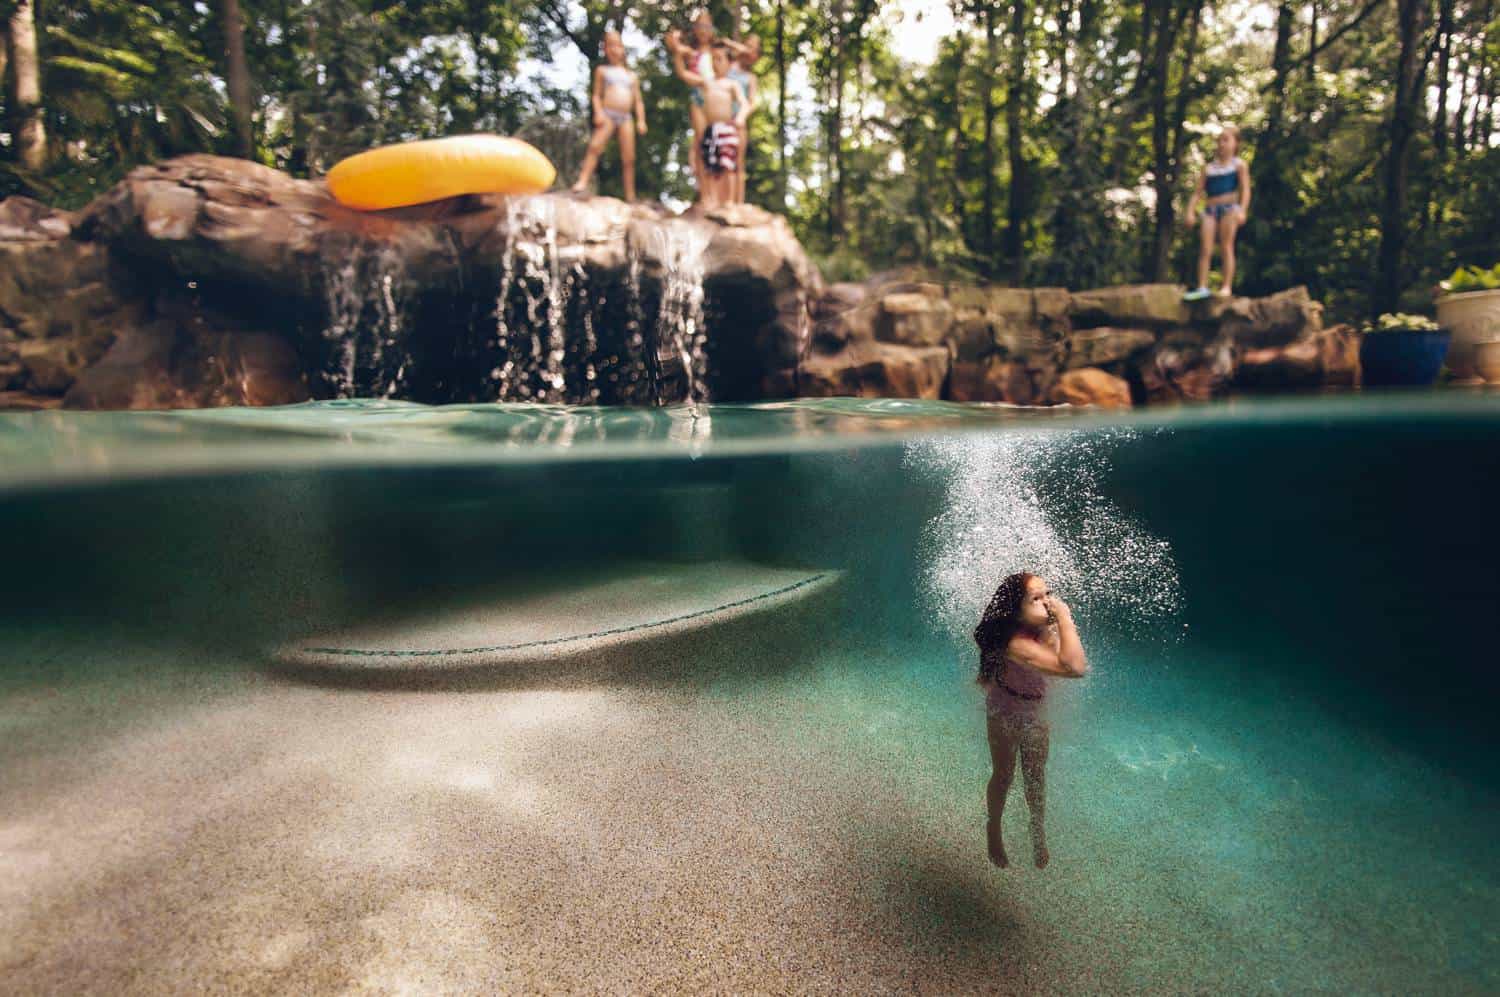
(679, 318)
(364, 295)
(546, 310)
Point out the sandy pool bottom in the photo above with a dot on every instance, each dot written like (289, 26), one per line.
(815, 831)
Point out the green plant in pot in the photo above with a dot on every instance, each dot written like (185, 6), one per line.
(1469, 307)
(1399, 349)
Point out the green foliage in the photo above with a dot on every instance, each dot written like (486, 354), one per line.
(1472, 279)
(1400, 322)
(891, 169)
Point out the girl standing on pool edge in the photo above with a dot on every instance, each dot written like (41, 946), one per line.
(1026, 634)
(1224, 185)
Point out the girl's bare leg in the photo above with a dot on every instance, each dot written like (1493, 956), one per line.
(1002, 738)
(627, 159)
(1228, 226)
(1035, 741)
(739, 174)
(591, 158)
(1205, 247)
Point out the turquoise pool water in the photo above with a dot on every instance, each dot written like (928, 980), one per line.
(1280, 776)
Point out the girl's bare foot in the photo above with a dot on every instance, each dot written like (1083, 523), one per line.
(577, 188)
(997, 846)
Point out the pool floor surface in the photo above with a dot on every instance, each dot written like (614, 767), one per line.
(814, 830)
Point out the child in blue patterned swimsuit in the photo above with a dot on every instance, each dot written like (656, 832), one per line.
(616, 99)
(1224, 186)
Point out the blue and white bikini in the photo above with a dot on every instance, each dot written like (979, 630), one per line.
(1220, 179)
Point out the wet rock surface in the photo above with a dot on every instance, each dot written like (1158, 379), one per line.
(205, 280)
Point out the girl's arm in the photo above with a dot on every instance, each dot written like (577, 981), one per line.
(640, 107)
(596, 98)
(1068, 661)
(753, 96)
(1244, 190)
(679, 64)
(744, 102)
(1192, 205)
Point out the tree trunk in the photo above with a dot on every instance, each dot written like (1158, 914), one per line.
(1161, 171)
(987, 221)
(1271, 189)
(1445, 51)
(1168, 139)
(781, 182)
(960, 146)
(836, 217)
(1393, 227)
(1064, 39)
(1310, 67)
(237, 76)
(1280, 56)
(27, 128)
(1014, 99)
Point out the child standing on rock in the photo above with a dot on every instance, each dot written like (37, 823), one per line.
(725, 108)
(616, 99)
(1225, 187)
(742, 70)
(696, 59)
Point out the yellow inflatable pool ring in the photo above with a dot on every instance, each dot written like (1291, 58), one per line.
(395, 176)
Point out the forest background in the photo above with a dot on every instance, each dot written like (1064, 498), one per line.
(1038, 142)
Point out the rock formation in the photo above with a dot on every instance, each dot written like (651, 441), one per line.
(1113, 346)
(212, 281)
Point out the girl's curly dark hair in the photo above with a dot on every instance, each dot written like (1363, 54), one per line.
(999, 624)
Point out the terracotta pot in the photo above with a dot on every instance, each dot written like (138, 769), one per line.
(1487, 359)
(1473, 317)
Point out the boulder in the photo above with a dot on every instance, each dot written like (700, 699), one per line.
(1151, 305)
(1325, 358)
(183, 362)
(1010, 302)
(1105, 345)
(25, 220)
(1339, 345)
(1276, 320)
(61, 301)
(913, 318)
(877, 370)
(1091, 386)
(996, 380)
(837, 299)
(973, 335)
(1185, 366)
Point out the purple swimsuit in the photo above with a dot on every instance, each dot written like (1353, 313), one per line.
(1021, 691)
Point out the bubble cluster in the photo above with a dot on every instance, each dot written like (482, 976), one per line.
(1032, 502)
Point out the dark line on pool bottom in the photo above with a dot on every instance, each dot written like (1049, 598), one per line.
(353, 652)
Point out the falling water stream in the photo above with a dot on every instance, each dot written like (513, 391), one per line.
(365, 296)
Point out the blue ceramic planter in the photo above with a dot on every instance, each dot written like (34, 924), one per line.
(1403, 357)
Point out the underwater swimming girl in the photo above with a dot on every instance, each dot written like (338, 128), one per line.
(1025, 635)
